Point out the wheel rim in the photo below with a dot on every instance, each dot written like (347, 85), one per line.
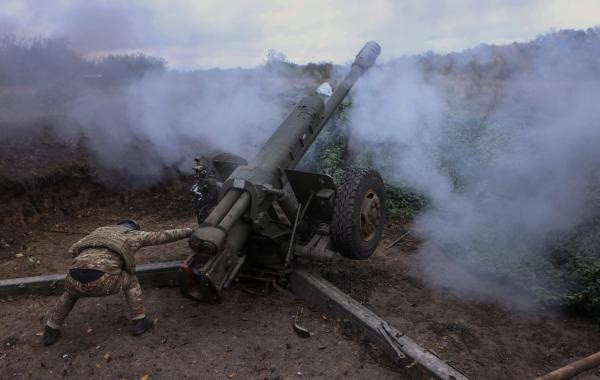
(370, 215)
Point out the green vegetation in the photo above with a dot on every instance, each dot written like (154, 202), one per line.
(46, 61)
(403, 203)
(575, 259)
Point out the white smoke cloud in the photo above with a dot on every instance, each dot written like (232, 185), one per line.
(507, 164)
(147, 127)
(139, 121)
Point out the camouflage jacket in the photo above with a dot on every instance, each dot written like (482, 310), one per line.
(126, 242)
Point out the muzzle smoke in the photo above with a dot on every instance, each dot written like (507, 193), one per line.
(504, 143)
(138, 120)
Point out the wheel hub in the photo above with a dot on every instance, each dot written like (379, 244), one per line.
(370, 215)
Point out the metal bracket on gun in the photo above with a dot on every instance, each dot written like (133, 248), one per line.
(392, 339)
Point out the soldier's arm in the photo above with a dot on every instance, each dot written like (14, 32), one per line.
(146, 238)
(75, 248)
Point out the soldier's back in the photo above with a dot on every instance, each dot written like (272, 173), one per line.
(101, 259)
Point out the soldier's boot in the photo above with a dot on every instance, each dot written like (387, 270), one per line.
(140, 326)
(50, 335)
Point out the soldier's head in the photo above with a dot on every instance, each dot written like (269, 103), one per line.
(130, 223)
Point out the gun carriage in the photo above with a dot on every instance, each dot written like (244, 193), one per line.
(263, 215)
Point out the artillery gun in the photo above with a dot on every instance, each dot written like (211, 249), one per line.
(257, 218)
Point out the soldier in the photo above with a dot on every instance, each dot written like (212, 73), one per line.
(104, 264)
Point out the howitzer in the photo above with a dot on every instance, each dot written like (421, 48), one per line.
(263, 215)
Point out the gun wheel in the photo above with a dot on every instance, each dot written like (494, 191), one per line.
(358, 215)
(370, 215)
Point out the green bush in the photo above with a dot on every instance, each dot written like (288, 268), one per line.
(403, 203)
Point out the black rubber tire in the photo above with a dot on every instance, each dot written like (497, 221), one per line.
(346, 226)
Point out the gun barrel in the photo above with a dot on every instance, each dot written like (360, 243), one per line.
(364, 60)
(294, 136)
(367, 56)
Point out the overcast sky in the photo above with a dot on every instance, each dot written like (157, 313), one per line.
(206, 33)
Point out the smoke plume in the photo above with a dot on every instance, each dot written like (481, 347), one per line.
(138, 120)
(503, 141)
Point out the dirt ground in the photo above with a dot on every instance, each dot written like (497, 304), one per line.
(246, 337)
(484, 340)
(251, 336)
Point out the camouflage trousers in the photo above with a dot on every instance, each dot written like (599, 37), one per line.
(106, 285)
